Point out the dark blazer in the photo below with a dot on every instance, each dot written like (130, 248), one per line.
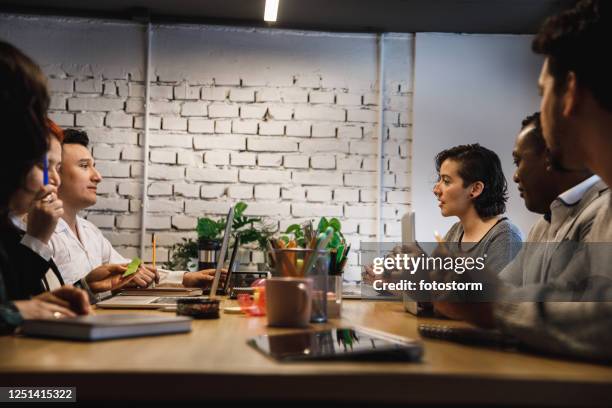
(22, 275)
(22, 269)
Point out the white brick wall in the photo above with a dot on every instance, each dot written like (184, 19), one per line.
(267, 192)
(222, 110)
(293, 141)
(240, 191)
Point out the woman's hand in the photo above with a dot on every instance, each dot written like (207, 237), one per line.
(38, 309)
(66, 301)
(68, 296)
(44, 214)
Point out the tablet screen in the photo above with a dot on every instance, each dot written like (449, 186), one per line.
(342, 344)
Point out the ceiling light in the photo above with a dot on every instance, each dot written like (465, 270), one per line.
(271, 10)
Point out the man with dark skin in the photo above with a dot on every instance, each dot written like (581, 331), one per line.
(538, 182)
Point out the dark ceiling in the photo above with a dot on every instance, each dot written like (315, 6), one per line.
(463, 16)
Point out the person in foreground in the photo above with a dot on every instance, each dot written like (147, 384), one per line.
(23, 104)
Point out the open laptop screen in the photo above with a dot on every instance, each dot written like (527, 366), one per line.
(222, 252)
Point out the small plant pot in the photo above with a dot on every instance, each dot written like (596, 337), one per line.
(208, 253)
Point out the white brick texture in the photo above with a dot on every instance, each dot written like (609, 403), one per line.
(293, 145)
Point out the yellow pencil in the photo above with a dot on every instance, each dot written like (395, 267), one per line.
(153, 238)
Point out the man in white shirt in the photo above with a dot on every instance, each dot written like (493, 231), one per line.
(78, 245)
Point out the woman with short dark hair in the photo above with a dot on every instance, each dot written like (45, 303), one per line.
(471, 186)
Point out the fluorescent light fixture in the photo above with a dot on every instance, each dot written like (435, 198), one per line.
(271, 10)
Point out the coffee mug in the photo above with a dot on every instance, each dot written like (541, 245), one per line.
(288, 301)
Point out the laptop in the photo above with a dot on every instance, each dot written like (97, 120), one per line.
(158, 302)
(408, 236)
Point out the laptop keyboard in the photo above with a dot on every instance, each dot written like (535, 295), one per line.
(167, 300)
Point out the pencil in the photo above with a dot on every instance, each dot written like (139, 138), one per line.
(154, 254)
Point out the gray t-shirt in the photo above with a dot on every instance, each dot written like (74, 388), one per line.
(499, 245)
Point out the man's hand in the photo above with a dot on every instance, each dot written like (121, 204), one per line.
(107, 277)
(152, 269)
(202, 279)
(66, 301)
(44, 214)
(144, 276)
(110, 277)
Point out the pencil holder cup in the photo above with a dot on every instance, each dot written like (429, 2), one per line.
(306, 263)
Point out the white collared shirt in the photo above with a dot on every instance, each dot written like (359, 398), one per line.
(76, 258)
(562, 206)
(575, 194)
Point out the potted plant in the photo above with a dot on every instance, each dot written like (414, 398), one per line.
(251, 229)
(304, 236)
(245, 229)
(184, 256)
(209, 242)
(302, 240)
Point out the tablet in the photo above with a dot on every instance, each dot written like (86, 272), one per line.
(338, 344)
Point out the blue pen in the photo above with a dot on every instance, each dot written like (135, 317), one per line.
(45, 171)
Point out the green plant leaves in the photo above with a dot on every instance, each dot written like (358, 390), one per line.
(335, 224)
(298, 234)
(209, 229)
(250, 229)
(323, 224)
(239, 209)
(294, 229)
(182, 253)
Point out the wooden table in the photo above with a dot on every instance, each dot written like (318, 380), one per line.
(214, 363)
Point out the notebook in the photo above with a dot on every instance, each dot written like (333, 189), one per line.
(108, 326)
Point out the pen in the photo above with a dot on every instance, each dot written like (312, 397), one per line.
(322, 241)
(45, 170)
